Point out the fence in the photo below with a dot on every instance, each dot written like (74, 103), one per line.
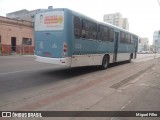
(19, 49)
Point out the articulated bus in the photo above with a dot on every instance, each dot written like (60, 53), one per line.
(69, 39)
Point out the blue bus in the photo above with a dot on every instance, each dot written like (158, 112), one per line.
(69, 39)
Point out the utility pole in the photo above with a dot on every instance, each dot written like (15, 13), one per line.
(155, 52)
(159, 33)
(158, 2)
(155, 49)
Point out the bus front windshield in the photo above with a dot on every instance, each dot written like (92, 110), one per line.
(47, 21)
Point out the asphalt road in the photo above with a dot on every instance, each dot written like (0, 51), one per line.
(29, 85)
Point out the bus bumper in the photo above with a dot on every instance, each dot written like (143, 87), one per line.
(66, 62)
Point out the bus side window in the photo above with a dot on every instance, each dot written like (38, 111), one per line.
(106, 33)
(89, 29)
(133, 38)
(103, 33)
(77, 27)
(122, 40)
(111, 34)
(92, 30)
(84, 29)
(129, 39)
(98, 32)
(125, 38)
(132, 41)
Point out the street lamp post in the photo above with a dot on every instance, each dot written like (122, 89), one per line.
(155, 49)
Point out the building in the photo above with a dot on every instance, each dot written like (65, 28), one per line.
(156, 40)
(125, 24)
(117, 20)
(143, 44)
(16, 36)
(24, 14)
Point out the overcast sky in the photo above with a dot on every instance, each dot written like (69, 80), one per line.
(143, 15)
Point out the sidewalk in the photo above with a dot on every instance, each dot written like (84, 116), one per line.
(140, 94)
(145, 91)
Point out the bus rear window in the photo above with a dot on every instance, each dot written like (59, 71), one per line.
(52, 20)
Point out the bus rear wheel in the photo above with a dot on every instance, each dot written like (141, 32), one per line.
(105, 62)
(130, 59)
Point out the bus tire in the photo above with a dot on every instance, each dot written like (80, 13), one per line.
(105, 62)
(130, 59)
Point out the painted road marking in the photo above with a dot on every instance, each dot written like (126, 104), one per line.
(27, 70)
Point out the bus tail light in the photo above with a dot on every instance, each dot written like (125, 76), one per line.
(65, 47)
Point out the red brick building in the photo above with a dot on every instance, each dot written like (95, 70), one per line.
(16, 36)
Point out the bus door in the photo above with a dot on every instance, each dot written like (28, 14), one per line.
(116, 39)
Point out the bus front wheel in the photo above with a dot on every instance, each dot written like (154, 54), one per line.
(105, 62)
